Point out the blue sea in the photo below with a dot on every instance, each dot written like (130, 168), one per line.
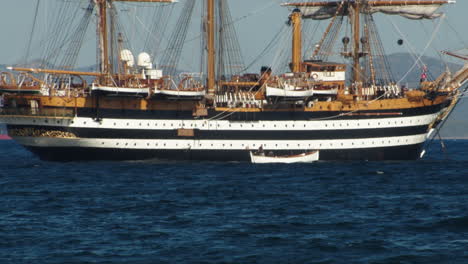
(153, 212)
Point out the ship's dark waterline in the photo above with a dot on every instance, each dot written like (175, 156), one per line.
(153, 212)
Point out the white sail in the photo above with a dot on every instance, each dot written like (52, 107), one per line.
(408, 11)
(412, 9)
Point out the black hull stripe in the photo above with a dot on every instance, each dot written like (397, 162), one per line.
(409, 152)
(239, 134)
(298, 115)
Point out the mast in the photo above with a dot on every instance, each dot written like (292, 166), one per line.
(103, 34)
(296, 41)
(356, 39)
(211, 46)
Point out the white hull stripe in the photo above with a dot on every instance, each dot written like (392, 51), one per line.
(108, 123)
(222, 144)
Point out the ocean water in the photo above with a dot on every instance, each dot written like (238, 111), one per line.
(152, 212)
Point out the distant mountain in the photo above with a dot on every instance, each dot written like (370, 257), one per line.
(401, 63)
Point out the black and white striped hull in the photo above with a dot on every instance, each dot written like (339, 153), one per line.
(398, 137)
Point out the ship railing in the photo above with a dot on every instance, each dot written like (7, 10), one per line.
(64, 86)
(238, 99)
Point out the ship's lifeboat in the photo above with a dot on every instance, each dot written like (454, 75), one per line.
(307, 157)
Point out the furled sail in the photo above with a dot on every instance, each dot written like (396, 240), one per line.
(412, 9)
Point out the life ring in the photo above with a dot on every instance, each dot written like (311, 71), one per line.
(315, 76)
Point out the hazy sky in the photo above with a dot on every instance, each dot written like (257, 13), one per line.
(259, 21)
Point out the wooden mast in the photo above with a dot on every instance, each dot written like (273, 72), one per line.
(356, 52)
(103, 30)
(211, 47)
(103, 37)
(296, 64)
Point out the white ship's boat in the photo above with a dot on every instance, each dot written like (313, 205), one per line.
(307, 157)
(289, 91)
(120, 90)
(187, 94)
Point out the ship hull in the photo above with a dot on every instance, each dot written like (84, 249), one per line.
(409, 152)
(396, 135)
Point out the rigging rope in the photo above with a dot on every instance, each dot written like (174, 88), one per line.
(418, 59)
(33, 29)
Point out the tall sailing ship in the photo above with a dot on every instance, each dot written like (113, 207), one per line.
(132, 110)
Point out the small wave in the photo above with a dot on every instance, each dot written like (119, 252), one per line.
(453, 224)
